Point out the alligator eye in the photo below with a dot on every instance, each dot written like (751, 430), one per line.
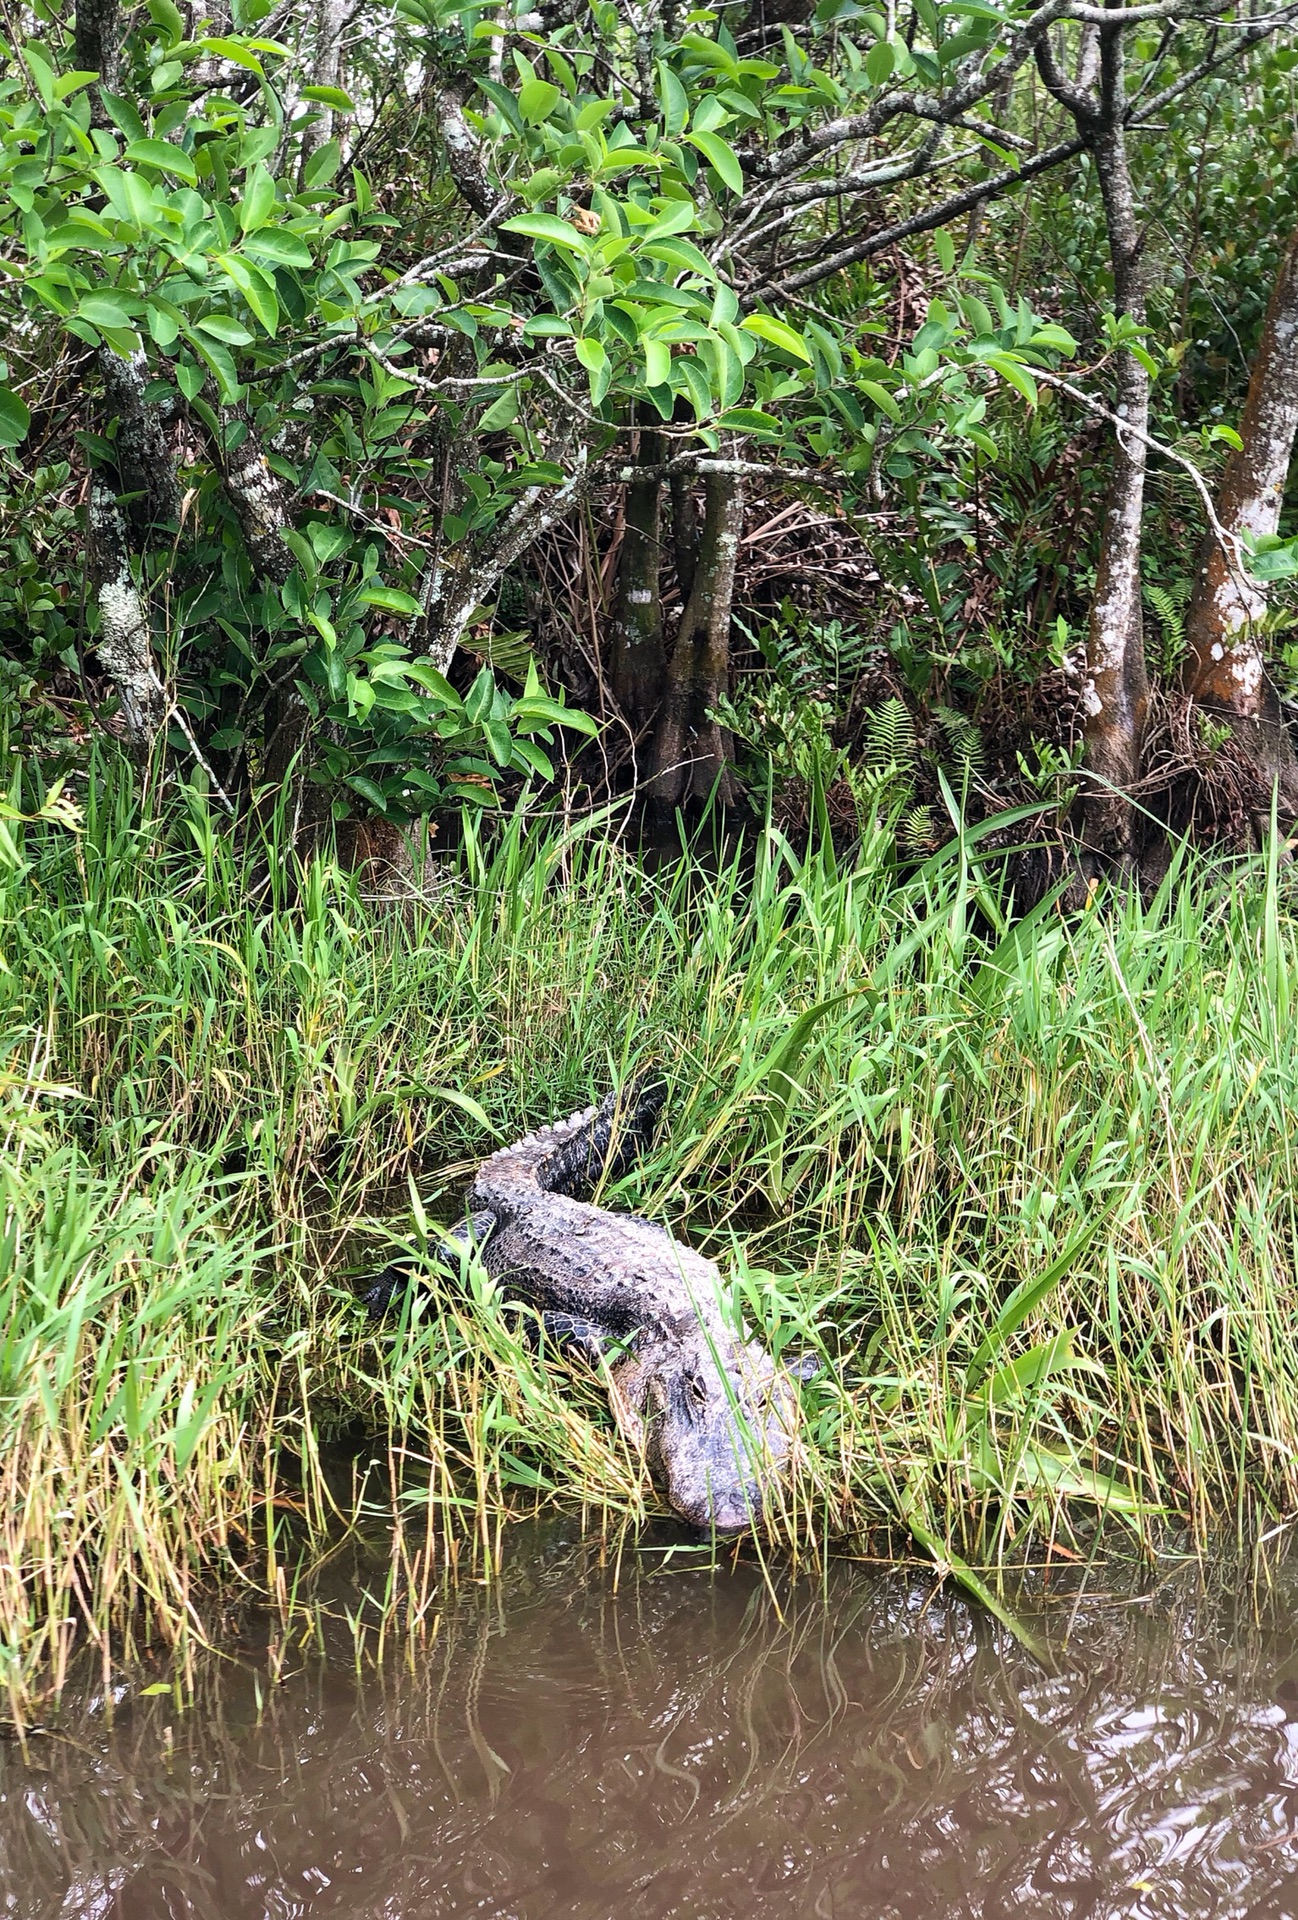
(697, 1390)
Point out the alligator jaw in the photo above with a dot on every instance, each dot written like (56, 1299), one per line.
(715, 1426)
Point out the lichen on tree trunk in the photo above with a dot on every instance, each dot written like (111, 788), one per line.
(125, 644)
(145, 465)
(1226, 669)
(637, 661)
(1116, 695)
(257, 494)
(692, 753)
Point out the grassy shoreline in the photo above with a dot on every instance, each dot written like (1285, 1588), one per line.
(1030, 1190)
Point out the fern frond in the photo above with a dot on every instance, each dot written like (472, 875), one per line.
(889, 736)
(1169, 604)
(917, 830)
(964, 739)
(507, 653)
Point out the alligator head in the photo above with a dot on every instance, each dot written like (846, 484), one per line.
(715, 1422)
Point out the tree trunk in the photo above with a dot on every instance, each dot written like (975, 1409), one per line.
(1116, 695)
(125, 644)
(685, 532)
(693, 754)
(97, 36)
(257, 494)
(331, 18)
(145, 466)
(637, 662)
(1117, 687)
(262, 506)
(1226, 670)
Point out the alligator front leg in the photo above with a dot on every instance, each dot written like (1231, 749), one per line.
(573, 1334)
(446, 1258)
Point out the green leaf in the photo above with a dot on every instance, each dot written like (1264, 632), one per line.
(538, 709)
(390, 598)
(682, 254)
(41, 68)
(163, 14)
(222, 365)
(156, 1687)
(233, 50)
(721, 157)
(944, 247)
(657, 362)
(162, 155)
(15, 419)
(779, 334)
(778, 1068)
(255, 287)
(330, 97)
(675, 101)
(220, 327)
(466, 1104)
(1019, 1376)
(368, 790)
(258, 201)
(677, 217)
(547, 226)
(189, 379)
(274, 243)
(592, 355)
(106, 310)
(879, 63)
(749, 420)
(1030, 1293)
(537, 100)
(322, 166)
(69, 83)
(881, 397)
(163, 322)
(480, 698)
(949, 1561)
(502, 412)
(1013, 373)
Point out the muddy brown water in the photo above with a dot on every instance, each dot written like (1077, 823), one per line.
(693, 1742)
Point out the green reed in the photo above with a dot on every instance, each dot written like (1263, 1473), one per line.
(1027, 1186)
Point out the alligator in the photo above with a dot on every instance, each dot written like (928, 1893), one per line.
(712, 1413)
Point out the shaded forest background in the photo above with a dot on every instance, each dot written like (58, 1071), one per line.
(409, 404)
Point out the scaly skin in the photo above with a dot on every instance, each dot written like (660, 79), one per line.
(713, 1414)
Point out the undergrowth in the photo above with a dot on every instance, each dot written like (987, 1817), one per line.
(1027, 1186)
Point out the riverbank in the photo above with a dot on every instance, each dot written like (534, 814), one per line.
(1030, 1190)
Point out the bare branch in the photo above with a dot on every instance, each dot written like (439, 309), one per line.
(938, 216)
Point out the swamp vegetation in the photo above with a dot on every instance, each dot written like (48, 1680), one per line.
(1027, 1185)
(449, 453)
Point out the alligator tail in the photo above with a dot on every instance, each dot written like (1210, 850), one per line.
(573, 1156)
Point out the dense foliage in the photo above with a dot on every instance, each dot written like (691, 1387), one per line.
(1030, 1195)
(411, 371)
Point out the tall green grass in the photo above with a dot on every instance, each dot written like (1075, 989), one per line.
(1027, 1186)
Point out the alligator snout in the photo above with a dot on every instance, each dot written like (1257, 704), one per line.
(716, 1428)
